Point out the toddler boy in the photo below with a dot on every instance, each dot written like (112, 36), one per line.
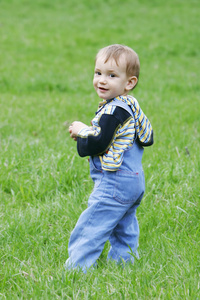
(115, 144)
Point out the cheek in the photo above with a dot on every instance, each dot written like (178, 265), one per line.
(94, 82)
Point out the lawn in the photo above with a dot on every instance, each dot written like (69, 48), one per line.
(47, 51)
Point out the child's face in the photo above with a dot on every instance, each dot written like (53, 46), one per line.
(110, 80)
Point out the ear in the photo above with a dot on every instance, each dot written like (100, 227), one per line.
(132, 81)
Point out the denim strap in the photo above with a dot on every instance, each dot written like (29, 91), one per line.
(125, 106)
(122, 104)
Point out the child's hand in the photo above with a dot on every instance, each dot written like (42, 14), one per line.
(74, 129)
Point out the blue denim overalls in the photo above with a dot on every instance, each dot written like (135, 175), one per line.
(111, 212)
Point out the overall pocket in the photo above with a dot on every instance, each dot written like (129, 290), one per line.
(95, 173)
(128, 187)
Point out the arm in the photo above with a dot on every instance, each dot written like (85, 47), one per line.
(97, 139)
(96, 142)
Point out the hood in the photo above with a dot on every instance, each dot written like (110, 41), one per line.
(143, 126)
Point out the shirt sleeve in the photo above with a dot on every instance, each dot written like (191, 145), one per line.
(92, 144)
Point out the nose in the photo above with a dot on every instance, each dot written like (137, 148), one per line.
(102, 79)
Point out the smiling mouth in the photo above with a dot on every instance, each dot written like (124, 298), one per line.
(103, 89)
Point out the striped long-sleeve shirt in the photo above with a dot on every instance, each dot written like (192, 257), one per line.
(113, 131)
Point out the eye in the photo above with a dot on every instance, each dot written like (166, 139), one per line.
(112, 75)
(98, 73)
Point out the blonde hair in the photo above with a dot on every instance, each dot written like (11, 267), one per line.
(115, 51)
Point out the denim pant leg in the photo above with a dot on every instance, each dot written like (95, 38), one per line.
(95, 226)
(125, 235)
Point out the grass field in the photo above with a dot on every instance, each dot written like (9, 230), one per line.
(47, 51)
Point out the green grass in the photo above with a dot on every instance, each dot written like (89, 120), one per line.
(47, 51)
